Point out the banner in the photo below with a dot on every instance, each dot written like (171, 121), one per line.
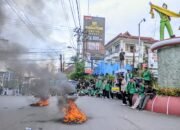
(94, 36)
(152, 59)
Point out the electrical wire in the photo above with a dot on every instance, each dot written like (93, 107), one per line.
(72, 12)
(27, 22)
(67, 21)
(77, 6)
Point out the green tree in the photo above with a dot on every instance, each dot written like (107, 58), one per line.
(79, 69)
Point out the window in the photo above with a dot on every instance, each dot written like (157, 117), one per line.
(117, 48)
(132, 48)
(110, 51)
(129, 61)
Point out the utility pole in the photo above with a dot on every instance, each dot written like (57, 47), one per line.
(85, 39)
(63, 68)
(134, 56)
(78, 34)
(139, 40)
(61, 64)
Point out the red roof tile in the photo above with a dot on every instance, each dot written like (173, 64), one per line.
(127, 35)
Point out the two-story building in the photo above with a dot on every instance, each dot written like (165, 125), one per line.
(129, 44)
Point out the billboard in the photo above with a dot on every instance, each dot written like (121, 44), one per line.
(94, 36)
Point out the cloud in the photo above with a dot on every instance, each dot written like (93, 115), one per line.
(49, 19)
(124, 15)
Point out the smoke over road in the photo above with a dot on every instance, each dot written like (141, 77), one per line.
(43, 80)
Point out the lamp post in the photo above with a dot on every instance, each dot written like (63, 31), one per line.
(139, 41)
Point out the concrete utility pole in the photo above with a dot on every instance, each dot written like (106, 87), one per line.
(63, 68)
(85, 39)
(134, 56)
(78, 34)
(139, 42)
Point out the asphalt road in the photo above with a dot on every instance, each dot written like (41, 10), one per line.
(103, 114)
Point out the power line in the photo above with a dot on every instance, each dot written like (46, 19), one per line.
(28, 22)
(72, 12)
(17, 14)
(41, 26)
(67, 20)
(77, 6)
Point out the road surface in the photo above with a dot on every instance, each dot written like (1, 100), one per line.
(103, 114)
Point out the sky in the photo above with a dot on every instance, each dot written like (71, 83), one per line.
(49, 24)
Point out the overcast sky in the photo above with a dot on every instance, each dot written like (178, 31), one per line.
(53, 23)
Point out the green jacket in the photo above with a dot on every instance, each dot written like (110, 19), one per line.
(103, 86)
(107, 87)
(128, 76)
(140, 90)
(131, 88)
(147, 75)
(99, 84)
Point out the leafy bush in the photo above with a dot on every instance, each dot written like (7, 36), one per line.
(79, 71)
(168, 91)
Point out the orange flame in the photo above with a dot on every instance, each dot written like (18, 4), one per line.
(73, 114)
(41, 103)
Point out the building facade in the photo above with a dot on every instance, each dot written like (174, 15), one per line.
(129, 44)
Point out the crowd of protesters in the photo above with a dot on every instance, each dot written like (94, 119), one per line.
(127, 85)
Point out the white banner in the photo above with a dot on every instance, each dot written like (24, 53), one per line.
(152, 59)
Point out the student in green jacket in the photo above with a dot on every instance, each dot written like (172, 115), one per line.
(107, 89)
(98, 83)
(98, 86)
(130, 90)
(129, 75)
(140, 92)
(103, 88)
(146, 76)
(111, 85)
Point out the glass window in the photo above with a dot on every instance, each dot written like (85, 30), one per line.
(117, 48)
(132, 48)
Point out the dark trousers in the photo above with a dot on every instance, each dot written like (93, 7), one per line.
(112, 95)
(107, 94)
(123, 95)
(147, 82)
(104, 93)
(130, 96)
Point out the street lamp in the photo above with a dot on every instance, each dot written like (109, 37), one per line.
(139, 42)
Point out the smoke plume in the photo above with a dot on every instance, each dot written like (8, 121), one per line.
(42, 81)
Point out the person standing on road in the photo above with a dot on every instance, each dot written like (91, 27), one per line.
(103, 88)
(98, 85)
(130, 90)
(111, 85)
(123, 90)
(107, 89)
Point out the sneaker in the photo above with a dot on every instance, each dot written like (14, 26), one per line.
(132, 107)
(124, 104)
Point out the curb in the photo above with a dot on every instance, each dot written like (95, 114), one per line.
(164, 104)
